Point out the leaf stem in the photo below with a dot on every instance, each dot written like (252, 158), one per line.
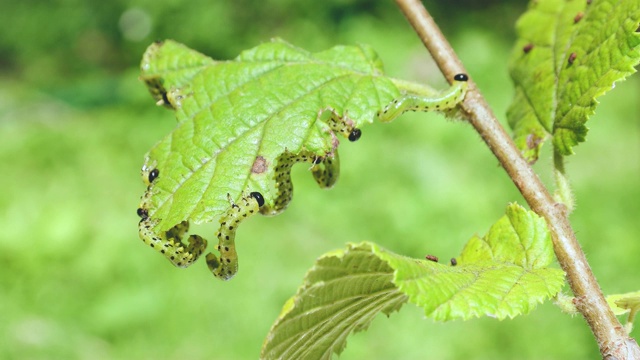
(613, 340)
(563, 188)
(414, 88)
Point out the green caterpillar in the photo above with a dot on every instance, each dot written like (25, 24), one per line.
(325, 169)
(226, 266)
(168, 243)
(448, 99)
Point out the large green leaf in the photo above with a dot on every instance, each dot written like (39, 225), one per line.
(504, 274)
(232, 113)
(242, 125)
(568, 53)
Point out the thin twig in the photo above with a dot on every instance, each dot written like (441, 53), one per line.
(612, 339)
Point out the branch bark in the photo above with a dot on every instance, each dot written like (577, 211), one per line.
(613, 341)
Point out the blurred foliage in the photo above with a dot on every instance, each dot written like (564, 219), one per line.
(75, 122)
(66, 45)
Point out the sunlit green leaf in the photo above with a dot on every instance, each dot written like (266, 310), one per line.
(231, 113)
(341, 294)
(503, 274)
(568, 53)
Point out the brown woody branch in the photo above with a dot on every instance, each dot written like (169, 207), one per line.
(612, 339)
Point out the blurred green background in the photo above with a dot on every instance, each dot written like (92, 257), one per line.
(75, 123)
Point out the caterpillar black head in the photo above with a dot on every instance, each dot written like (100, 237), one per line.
(355, 135)
(461, 77)
(259, 198)
(143, 213)
(153, 175)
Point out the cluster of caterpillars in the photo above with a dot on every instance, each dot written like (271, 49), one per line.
(168, 243)
(325, 170)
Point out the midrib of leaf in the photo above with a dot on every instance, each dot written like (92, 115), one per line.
(249, 128)
(514, 285)
(343, 293)
(255, 78)
(462, 290)
(450, 290)
(264, 102)
(356, 313)
(470, 290)
(210, 102)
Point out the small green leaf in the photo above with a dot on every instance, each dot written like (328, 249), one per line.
(628, 303)
(624, 303)
(521, 238)
(341, 294)
(568, 53)
(504, 274)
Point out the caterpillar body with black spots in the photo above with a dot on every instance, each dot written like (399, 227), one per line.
(225, 266)
(324, 168)
(448, 99)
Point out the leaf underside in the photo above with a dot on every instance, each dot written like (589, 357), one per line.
(233, 113)
(568, 53)
(503, 274)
